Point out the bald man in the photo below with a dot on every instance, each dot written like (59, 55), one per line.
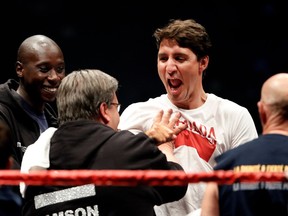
(24, 104)
(268, 152)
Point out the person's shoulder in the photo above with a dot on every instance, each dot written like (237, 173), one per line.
(148, 105)
(223, 100)
(11, 83)
(8, 89)
(238, 151)
(225, 104)
(6, 85)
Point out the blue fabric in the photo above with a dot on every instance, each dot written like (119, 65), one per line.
(266, 153)
(10, 202)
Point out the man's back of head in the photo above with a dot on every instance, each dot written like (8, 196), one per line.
(273, 105)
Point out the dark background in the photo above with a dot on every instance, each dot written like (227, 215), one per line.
(250, 41)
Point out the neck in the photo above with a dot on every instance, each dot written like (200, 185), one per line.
(39, 107)
(276, 129)
(282, 132)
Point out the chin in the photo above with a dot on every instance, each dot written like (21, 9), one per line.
(49, 100)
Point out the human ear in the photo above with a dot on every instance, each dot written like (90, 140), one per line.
(104, 113)
(203, 63)
(19, 69)
(262, 112)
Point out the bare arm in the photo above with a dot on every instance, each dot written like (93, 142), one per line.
(168, 149)
(210, 206)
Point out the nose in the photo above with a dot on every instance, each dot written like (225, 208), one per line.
(53, 75)
(170, 66)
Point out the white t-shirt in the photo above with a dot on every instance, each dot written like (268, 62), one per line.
(37, 155)
(215, 127)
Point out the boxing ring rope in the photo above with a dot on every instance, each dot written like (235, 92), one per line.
(134, 177)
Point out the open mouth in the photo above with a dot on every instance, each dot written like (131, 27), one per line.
(50, 90)
(174, 83)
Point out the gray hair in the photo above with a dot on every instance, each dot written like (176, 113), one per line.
(81, 92)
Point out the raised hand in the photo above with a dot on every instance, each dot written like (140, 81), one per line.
(164, 128)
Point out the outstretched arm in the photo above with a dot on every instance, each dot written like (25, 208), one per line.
(164, 128)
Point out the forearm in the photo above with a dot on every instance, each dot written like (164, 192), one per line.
(168, 150)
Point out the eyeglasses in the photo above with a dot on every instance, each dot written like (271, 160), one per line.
(118, 106)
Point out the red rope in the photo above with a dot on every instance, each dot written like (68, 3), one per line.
(133, 177)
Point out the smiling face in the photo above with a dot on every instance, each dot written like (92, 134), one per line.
(181, 73)
(40, 73)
